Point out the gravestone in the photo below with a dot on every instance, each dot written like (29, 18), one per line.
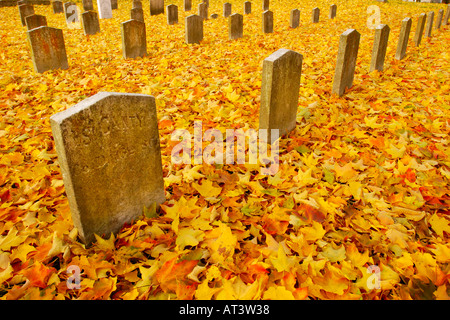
(57, 7)
(439, 18)
(447, 16)
(226, 9)
(172, 14)
(429, 26)
(403, 39)
(35, 21)
(206, 2)
(137, 4)
(194, 29)
(280, 91)
(247, 7)
(315, 15)
(25, 10)
(346, 61)
(104, 9)
(137, 14)
(419, 29)
(267, 18)
(187, 5)
(114, 5)
(87, 5)
(134, 39)
(294, 19)
(72, 15)
(203, 10)
(90, 21)
(109, 153)
(333, 9)
(265, 5)
(379, 47)
(48, 50)
(235, 26)
(214, 16)
(156, 7)
(66, 6)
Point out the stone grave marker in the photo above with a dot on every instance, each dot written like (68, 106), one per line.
(109, 153)
(35, 21)
(447, 16)
(265, 5)
(226, 9)
(280, 91)
(235, 26)
(294, 19)
(194, 29)
(214, 16)
(346, 61)
(187, 5)
(429, 26)
(25, 10)
(137, 4)
(419, 29)
(247, 7)
(172, 14)
(72, 15)
(333, 9)
(134, 39)
(156, 7)
(403, 39)
(48, 50)
(267, 18)
(87, 5)
(104, 9)
(203, 10)
(439, 17)
(315, 15)
(57, 7)
(90, 21)
(379, 47)
(206, 2)
(137, 14)
(114, 5)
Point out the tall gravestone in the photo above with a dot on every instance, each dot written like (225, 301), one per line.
(57, 7)
(194, 29)
(267, 21)
(235, 26)
(137, 14)
(226, 9)
(134, 39)
(156, 7)
(333, 9)
(439, 17)
(187, 5)
(172, 14)
(403, 39)
(109, 153)
(429, 26)
(346, 61)
(104, 9)
(280, 91)
(48, 50)
(419, 29)
(247, 7)
(87, 5)
(315, 15)
(90, 21)
(294, 19)
(379, 47)
(25, 10)
(35, 21)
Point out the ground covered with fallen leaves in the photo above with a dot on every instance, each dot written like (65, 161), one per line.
(363, 180)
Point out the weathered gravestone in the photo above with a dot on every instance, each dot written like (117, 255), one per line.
(379, 47)
(156, 7)
(419, 29)
(134, 39)
(333, 9)
(294, 18)
(267, 21)
(214, 16)
(104, 9)
(403, 39)
(57, 7)
(439, 18)
(226, 9)
(72, 15)
(114, 5)
(429, 27)
(87, 5)
(172, 14)
(447, 16)
(25, 10)
(346, 61)
(187, 5)
(315, 15)
(137, 14)
(194, 29)
(137, 4)
(235, 26)
(48, 50)
(280, 91)
(90, 21)
(265, 5)
(247, 7)
(109, 153)
(203, 10)
(35, 21)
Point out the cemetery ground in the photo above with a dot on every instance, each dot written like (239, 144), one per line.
(359, 207)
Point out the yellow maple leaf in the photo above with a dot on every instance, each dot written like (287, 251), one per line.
(282, 262)
(223, 247)
(278, 293)
(189, 237)
(439, 224)
(207, 189)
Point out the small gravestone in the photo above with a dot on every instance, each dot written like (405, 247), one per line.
(90, 21)
(294, 19)
(265, 5)
(72, 15)
(25, 10)
(247, 7)
(267, 18)
(419, 29)
(137, 4)
(104, 9)
(203, 10)
(137, 14)
(156, 7)
(379, 47)
(57, 7)
(447, 16)
(194, 29)
(429, 27)
(403, 39)
(315, 15)
(114, 5)
(187, 5)
(172, 14)
(35, 21)
(333, 9)
(226, 9)
(235, 26)
(439, 17)
(87, 5)
(47, 49)
(66, 6)
(134, 39)
(280, 91)
(109, 153)
(346, 61)
(214, 16)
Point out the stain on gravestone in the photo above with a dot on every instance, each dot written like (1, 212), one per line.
(47, 49)
(134, 39)
(156, 7)
(235, 26)
(280, 91)
(419, 29)
(104, 9)
(109, 152)
(194, 29)
(403, 39)
(294, 19)
(91, 24)
(35, 21)
(379, 47)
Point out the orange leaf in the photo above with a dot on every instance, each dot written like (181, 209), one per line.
(172, 272)
(38, 274)
(312, 213)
